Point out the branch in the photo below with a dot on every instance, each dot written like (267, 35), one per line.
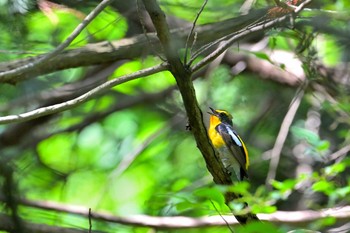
(339, 154)
(302, 217)
(282, 134)
(7, 75)
(243, 33)
(129, 48)
(184, 81)
(290, 75)
(81, 99)
(191, 31)
(68, 91)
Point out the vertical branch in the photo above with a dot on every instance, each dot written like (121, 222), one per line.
(90, 222)
(185, 85)
(184, 82)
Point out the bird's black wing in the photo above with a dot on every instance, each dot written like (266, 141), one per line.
(235, 145)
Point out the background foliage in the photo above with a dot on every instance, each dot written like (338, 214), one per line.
(127, 151)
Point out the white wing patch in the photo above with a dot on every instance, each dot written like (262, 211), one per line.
(233, 136)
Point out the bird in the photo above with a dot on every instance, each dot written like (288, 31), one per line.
(231, 148)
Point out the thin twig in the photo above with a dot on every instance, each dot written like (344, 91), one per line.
(142, 22)
(282, 135)
(339, 154)
(227, 42)
(4, 76)
(83, 98)
(239, 35)
(257, 22)
(192, 29)
(223, 218)
(90, 217)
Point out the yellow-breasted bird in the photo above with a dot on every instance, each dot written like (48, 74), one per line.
(232, 151)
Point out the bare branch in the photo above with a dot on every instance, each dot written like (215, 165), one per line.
(192, 29)
(339, 154)
(7, 75)
(282, 135)
(83, 98)
(241, 34)
(179, 222)
(184, 82)
(128, 48)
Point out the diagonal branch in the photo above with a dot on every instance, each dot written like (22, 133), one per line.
(184, 82)
(282, 135)
(7, 75)
(243, 33)
(44, 111)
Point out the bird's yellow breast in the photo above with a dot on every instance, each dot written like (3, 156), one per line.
(214, 136)
(216, 139)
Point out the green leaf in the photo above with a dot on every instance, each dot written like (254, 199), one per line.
(285, 185)
(240, 188)
(323, 145)
(335, 169)
(323, 186)
(184, 205)
(263, 56)
(212, 193)
(180, 184)
(305, 134)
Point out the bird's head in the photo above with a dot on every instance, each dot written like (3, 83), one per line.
(220, 116)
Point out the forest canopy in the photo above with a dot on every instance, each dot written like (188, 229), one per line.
(104, 115)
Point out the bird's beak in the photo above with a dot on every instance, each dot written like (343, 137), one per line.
(213, 112)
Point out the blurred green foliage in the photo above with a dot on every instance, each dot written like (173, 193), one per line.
(141, 159)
